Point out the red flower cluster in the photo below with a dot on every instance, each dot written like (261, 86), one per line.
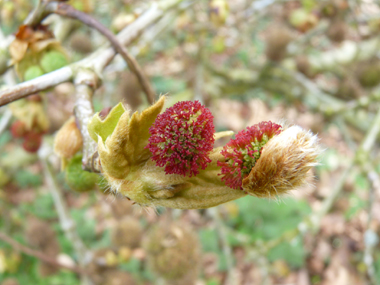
(182, 137)
(32, 138)
(242, 152)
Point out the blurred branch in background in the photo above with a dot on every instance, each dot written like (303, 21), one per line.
(97, 61)
(67, 223)
(19, 247)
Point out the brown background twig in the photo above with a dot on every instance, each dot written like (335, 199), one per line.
(22, 248)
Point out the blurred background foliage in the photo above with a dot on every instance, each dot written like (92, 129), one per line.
(312, 63)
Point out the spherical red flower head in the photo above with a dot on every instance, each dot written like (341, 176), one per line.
(182, 137)
(32, 142)
(18, 129)
(242, 152)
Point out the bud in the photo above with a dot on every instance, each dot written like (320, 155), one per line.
(303, 65)
(218, 12)
(242, 153)
(173, 253)
(368, 73)
(32, 72)
(303, 20)
(53, 60)
(68, 140)
(32, 142)
(337, 31)
(78, 179)
(132, 170)
(127, 233)
(182, 137)
(18, 129)
(81, 42)
(277, 40)
(283, 164)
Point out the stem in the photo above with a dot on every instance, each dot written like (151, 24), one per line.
(372, 134)
(96, 61)
(370, 237)
(5, 119)
(68, 11)
(85, 83)
(36, 85)
(24, 249)
(67, 224)
(220, 227)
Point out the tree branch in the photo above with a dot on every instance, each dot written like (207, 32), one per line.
(67, 224)
(66, 10)
(22, 248)
(97, 61)
(86, 82)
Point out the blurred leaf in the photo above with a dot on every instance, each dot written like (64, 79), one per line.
(25, 179)
(213, 282)
(209, 240)
(132, 266)
(356, 203)
(164, 85)
(86, 226)
(264, 219)
(292, 252)
(361, 182)
(5, 138)
(329, 160)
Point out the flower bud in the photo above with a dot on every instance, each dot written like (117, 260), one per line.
(182, 137)
(173, 253)
(33, 72)
(283, 164)
(68, 140)
(78, 179)
(32, 142)
(18, 129)
(242, 153)
(53, 60)
(219, 11)
(127, 233)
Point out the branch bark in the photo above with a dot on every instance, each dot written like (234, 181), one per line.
(97, 61)
(68, 11)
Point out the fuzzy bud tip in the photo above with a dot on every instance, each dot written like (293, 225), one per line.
(242, 152)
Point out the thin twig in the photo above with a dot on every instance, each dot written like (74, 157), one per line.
(45, 258)
(221, 229)
(68, 11)
(85, 84)
(370, 237)
(5, 119)
(67, 223)
(96, 61)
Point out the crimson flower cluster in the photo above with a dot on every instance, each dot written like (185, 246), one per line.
(182, 138)
(242, 152)
(32, 138)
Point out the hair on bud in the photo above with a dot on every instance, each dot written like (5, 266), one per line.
(284, 163)
(242, 153)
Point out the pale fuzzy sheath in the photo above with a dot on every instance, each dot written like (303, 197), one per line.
(150, 186)
(283, 164)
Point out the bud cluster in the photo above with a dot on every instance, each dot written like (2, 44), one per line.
(140, 153)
